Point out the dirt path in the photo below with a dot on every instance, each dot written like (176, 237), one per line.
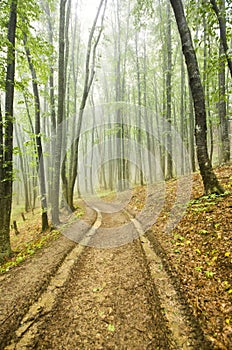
(108, 305)
(115, 298)
(23, 285)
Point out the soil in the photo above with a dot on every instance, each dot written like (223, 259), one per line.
(158, 291)
(197, 254)
(23, 284)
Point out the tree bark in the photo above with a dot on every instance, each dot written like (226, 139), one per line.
(6, 151)
(222, 26)
(139, 114)
(39, 148)
(60, 117)
(23, 170)
(169, 174)
(224, 123)
(210, 181)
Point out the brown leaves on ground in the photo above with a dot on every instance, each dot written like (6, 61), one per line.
(199, 253)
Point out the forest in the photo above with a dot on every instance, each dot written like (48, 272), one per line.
(118, 115)
(105, 101)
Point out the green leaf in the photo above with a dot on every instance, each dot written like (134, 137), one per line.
(203, 232)
(198, 268)
(111, 327)
(209, 274)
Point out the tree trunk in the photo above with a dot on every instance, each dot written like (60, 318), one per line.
(39, 148)
(224, 123)
(182, 113)
(139, 114)
(191, 132)
(6, 151)
(169, 174)
(89, 76)
(220, 13)
(23, 170)
(211, 184)
(60, 117)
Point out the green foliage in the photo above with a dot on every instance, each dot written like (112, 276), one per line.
(142, 11)
(29, 249)
(198, 268)
(205, 203)
(111, 328)
(209, 274)
(4, 17)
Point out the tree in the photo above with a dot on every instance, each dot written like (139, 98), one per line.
(69, 182)
(60, 116)
(224, 123)
(39, 148)
(220, 13)
(210, 181)
(6, 138)
(169, 174)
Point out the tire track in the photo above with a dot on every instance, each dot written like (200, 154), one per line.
(115, 298)
(25, 332)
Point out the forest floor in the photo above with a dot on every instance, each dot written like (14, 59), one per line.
(162, 291)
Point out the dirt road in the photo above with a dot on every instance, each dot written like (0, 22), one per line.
(93, 298)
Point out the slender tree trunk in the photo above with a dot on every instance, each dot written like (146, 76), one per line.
(164, 105)
(67, 179)
(206, 86)
(182, 113)
(224, 123)
(23, 170)
(6, 151)
(149, 126)
(191, 132)
(51, 84)
(39, 148)
(89, 76)
(60, 117)
(169, 174)
(139, 114)
(209, 178)
(220, 13)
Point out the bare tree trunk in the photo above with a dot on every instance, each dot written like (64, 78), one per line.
(209, 178)
(23, 170)
(191, 132)
(169, 174)
(206, 86)
(50, 30)
(60, 117)
(139, 114)
(224, 123)
(149, 126)
(67, 178)
(89, 76)
(182, 113)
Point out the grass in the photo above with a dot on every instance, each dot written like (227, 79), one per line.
(30, 238)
